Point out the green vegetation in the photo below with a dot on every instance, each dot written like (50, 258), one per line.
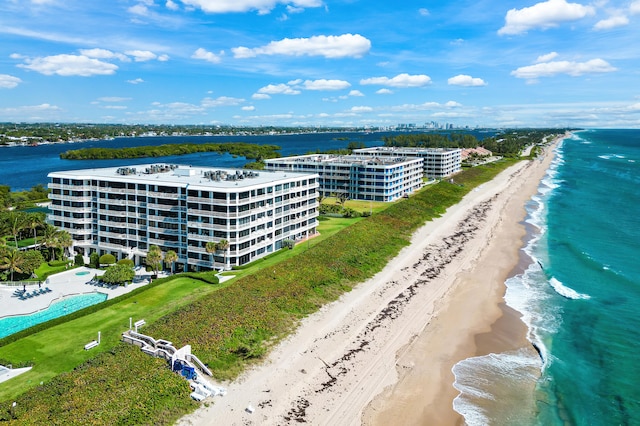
(118, 274)
(107, 259)
(508, 143)
(228, 330)
(247, 150)
(96, 388)
(58, 345)
(34, 133)
(22, 199)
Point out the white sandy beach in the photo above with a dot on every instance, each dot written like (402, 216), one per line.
(331, 370)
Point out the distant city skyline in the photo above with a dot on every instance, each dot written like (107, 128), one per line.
(482, 63)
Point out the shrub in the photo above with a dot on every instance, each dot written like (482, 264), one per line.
(118, 274)
(54, 263)
(94, 260)
(107, 259)
(79, 260)
(32, 259)
(127, 262)
(288, 243)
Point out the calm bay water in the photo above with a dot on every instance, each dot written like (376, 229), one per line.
(23, 167)
(580, 298)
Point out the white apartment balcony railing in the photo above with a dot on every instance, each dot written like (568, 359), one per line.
(207, 213)
(114, 213)
(118, 235)
(163, 207)
(112, 202)
(164, 219)
(114, 190)
(81, 231)
(112, 246)
(164, 230)
(164, 243)
(163, 195)
(71, 209)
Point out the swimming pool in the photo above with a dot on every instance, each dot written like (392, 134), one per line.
(13, 324)
(83, 273)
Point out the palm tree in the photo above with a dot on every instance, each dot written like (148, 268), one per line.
(64, 241)
(12, 259)
(154, 257)
(223, 245)
(50, 239)
(14, 223)
(34, 221)
(171, 257)
(211, 248)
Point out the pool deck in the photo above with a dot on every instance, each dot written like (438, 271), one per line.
(62, 284)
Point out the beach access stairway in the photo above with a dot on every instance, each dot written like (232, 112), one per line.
(162, 349)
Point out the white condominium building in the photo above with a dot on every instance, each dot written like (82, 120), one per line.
(438, 162)
(355, 176)
(124, 210)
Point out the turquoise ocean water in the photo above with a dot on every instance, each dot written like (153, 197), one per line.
(580, 297)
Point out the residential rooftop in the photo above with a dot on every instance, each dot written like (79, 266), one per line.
(171, 174)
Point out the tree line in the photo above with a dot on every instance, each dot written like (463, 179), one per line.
(507, 143)
(46, 240)
(247, 150)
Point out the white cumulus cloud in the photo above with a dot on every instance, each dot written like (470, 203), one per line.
(262, 6)
(135, 81)
(248, 108)
(400, 80)
(8, 81)
(361, 109)
(574, 69)
(466, 80)
(323, 84)
(69, 65)
(543, 15)
(221, 101)
(278, 89)
(104, 54)
(345, 45)
(356, 93)
(548, 57)
(207, 56)
(612, 22)
(260, 96)
(141, 55)
(384, 92)
(634, 8)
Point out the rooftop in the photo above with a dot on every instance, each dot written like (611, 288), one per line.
(171, 175)
(404, 149)
(342, 159)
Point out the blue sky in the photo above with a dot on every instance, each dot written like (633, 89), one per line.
(490, 63)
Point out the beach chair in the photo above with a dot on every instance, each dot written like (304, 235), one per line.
(47, 289)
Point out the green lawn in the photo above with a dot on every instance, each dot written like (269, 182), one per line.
(360, 205)
(327, 226)
(61, 348)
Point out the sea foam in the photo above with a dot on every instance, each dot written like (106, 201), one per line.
(565, 291)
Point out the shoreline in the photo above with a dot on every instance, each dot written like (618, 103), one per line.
(476, 310)
(346, 354)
